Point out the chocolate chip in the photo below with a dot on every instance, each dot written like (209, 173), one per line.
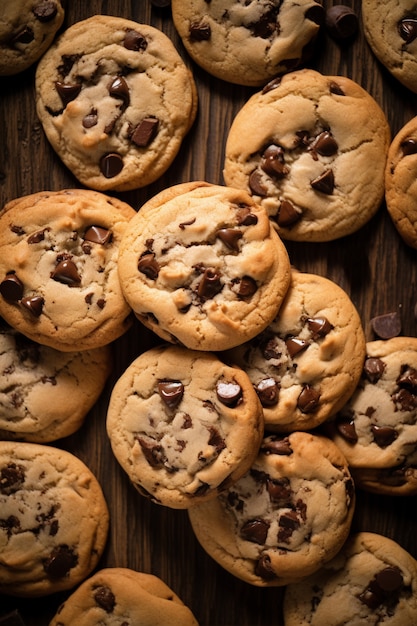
(263, 568)
(255, 530)
(373, 369)
(230, 237)
(66, 272)
(210, 284)
(247, 287)
(11, 288)
(315, 14)
(295, 345)
(276, 445)
(67, 91)
(229, 394)
(408, 146)
(408, 378)
(279, 491)
(24, 36)
(148, 265)
(111, 164)
(288, 523)
(273, 162)
(346, 428)
(216, 440)
(308, 400)
(98, 234)
(118, 89)
(37, 237)
(387, 326)
(256, 185)
(45, 11)
(12, 477)
(133, 40)
(199, 31)
(407, 28)
(60, 561)
(145, 132)
(287, 214)
(34, 304)
(90, 119)
(245, 217)
(152, 451)
(104, 598)
(336, 89)
(171, 392)
(319, 326)
(405, 400)
(380, 590)
(268, 391)
(383, 435)
(390, 578)
(341, 22)
(324, 183)
(267, 24)
(324, 144)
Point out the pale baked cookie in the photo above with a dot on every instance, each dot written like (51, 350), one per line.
(401, 181)
(123, 596)
(377, 428)
(27, 29)
(248, 43)
(372, 581)
(201, 265)
(391, 29)
(54, 520)
(46, 394)
(294, 147)
(183, 425)
(115, 100)
(59, 282)
(286, 517)
(307, 363)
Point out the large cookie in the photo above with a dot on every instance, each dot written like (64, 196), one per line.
(377, 428)
(27, 29)
(59, 282)
(307, 363)
(401, 182)
(200, 265)
(286, 517)
(46, 394)
(54, 520)
(123, 596)
(302, 147)
(373, 580)
(248, 43)
(115, 100)
(391, 29)
(183, 425)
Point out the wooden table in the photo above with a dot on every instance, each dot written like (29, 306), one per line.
(374, 266)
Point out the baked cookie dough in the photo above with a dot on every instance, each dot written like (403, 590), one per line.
(391, 29)
(53, 520)
(46, 394)
(377, 428)
(302, 147)
(115, 100)
(59, 283)
(27, 29)
(401, 182)
(183, 425)
(372, 581)
(248, 43)
(123, 596)
(286, 517)
(307, 363)
(201, 265)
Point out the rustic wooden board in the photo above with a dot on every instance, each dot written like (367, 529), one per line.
(374, 266)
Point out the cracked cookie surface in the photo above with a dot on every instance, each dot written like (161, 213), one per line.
(248, 43)
(183, 425)
(59, 282)
(286, 517)
(304, 160)
(54, 520)
(201, 265)
(115, 100)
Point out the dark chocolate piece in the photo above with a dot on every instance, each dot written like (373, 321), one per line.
(11, 288)
(324, 183)
(148, 265)
(134, 40)
(199, 31)
(247, 287)
(287, 214)
(61, 560)
(111, 164)
(387, 326)
(98, 234)
(407, 28)
(66, 272)
(67, 91)
(230, 237)
(34, 304)
(308, 400)
(229, 394)
(255, 530)
(145, 132)
(373, 369)
(268, 391)
(171, 392)
(341, 22)
(210, 284)
(45, 11)
(104, 598)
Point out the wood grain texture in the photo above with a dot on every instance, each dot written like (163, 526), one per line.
(374, 266)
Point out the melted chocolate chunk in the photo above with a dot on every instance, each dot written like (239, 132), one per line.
(245, 217)
(295, 345)
(405, 400)
(66, 272)
(247, 287)
(273, 84)
(267, 24)
(271, 349)
(229, 394)
(273, 162)
(210, 284)
(37, 237)
(255, 530)
(90, 119)
(216, 440)
(387, 326)
(263, 568)
(230, 237)
(24, 36)
(407, 28)
(336, 89)
(12, 477)
(381, 589)
(324, 144)
(341, 22)
(373, 369)
(11, 288)
(45, 11)
(324, 183)
(118, 89)
(171, 392)
(346, 428)
(408, 146)
(276, 445)
(383, 435)
(104, 598)
(111, 164)
(279, 491)
(268, 391)
(408, 378)
(67, 92)
(199, 31)
(148, 265)
(152, 451)
(133, 40)
(256, 185)
(145, 132)
(98, 234)
(287, 214)
(61, 560)
(319, 326)
(308, 400)
(33, 304)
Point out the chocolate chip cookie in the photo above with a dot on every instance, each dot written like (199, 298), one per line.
(372, 581)
(201, 265)
(54, 520)
(115, 100)
(46, 394)
(27, 29)
(400, 182)
(183, 425)
(377, 428)
(294, 147)
(248, 43)
(307, 363)
(123, 596)
(286, 517)
(59, 282)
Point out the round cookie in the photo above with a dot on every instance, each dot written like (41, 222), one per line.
(248, 43)
(306, 159)
(54, 520)
(372, 581)
(287, 516)
(27, 29)
(391, 30)
(123, 596)
(377, 428)
(400, 182)
(115, 101)
(46, 394)
(183, 425)
(201, 265)
(307, 363)
(59, 282)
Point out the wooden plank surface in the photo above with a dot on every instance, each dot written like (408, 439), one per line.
(374, 266)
